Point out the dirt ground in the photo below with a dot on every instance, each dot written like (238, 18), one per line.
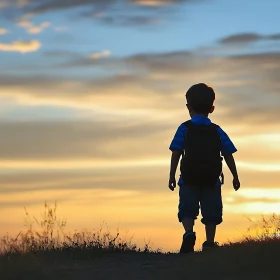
(255, 262)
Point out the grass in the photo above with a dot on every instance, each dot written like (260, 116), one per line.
(45, 251)
(265, 230)
(48, 235)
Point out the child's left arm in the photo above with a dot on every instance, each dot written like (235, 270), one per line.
(229, 159)
(228, 149)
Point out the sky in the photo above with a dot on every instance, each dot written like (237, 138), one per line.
(92, 92)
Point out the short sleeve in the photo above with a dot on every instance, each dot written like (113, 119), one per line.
(177, 143)
(227, 145)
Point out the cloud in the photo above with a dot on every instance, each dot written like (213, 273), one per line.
(103, 144)
(22, 3)
(86, 142)
(248, 38)
(147, 79)
(128, 13)
(126, 20)
(241, 200)
(30, 27)
(134, 116)
(163, 73)
(106, 178)
(49, 5)
(274, 37)
(3, 31)
(153, 2)
(3, 4)
(21, 46)
(98, 55)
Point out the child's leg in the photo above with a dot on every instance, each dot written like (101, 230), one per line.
(211, 210)
(210, 230)
(188, 207)
(189, 236)
(188, 224)
(188, 211)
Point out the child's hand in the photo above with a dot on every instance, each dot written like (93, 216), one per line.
(236, 183)
(172, 183)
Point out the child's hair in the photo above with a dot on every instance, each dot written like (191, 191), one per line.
(201, 98)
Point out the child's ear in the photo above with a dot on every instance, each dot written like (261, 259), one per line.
(212, 109)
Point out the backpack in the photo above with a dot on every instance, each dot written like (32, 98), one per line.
(201, 163)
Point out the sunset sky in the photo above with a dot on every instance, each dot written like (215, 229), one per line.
(92, 92)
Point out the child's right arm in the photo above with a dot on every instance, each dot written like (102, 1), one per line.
(229, 159)
(175, 157)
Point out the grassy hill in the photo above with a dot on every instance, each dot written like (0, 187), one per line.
(248, 260)
(48, 253)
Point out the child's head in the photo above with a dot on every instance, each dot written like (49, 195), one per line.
(200, 99)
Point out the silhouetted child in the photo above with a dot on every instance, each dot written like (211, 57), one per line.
(202, 146)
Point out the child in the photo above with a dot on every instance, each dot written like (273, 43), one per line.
(201, 144)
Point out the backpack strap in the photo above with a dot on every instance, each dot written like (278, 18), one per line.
(222, 176)
(187, 124)
(216, 127)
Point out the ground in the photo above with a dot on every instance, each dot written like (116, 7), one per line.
(246, 261)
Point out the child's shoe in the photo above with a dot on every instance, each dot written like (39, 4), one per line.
(209, 245)
(188, 243)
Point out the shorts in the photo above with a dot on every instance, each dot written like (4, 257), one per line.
(209, 200)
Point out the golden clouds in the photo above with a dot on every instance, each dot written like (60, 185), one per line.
(98, 55)
(33, 29)
(21, 46)
(79, 164)
(30, 27)
(152, 2)
(3, 31)
(153, 86)
(84, 144)
(102, 11)
(256, 200)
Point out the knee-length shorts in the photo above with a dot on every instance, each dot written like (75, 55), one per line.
(208, 200)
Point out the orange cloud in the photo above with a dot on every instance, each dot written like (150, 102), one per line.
(98, 55)
(3, 31)
(30, 27)
(152, 2)
(21, 46)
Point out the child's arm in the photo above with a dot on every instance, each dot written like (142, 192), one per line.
(232, 167)
(175, 157)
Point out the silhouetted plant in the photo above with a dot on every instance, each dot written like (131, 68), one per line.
(48, 234)
(266, 228)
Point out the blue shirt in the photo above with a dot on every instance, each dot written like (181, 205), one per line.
(178, 140)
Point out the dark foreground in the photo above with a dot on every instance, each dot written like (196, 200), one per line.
(245, 261)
